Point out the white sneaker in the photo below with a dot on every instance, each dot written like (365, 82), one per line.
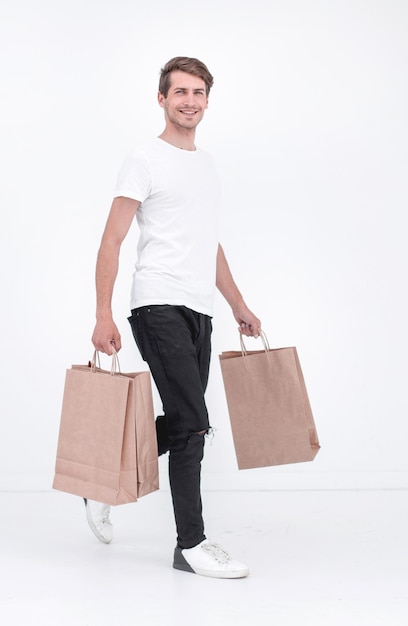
(208, 559)
(97, 515)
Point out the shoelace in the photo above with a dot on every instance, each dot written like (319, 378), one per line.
(218, 553)
(105, 514)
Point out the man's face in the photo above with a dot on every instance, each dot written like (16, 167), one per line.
(186, 100)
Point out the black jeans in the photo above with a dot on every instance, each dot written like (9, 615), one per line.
(176, 343)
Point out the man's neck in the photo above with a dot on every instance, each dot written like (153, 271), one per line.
(182, 140)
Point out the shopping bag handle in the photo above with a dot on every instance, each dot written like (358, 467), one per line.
(115, 365)
(264, 341)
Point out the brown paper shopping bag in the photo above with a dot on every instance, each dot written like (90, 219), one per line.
(269, 409)
(107, 447)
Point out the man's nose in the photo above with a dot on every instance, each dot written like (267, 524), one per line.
(190, 99)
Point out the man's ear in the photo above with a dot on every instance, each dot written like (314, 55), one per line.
(160, 99)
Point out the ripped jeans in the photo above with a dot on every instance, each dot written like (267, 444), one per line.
(176, 344)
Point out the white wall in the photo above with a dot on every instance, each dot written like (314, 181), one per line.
(307, 120)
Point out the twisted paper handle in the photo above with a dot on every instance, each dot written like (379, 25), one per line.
(264, 341)
(115, 365)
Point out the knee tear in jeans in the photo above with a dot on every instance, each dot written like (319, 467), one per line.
(208, 432)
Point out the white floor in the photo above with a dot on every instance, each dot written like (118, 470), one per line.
(327, 558)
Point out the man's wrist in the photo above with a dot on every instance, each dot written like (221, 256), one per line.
(104, 316)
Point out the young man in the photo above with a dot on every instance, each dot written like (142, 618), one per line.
(173, 190)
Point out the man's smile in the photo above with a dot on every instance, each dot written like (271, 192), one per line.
(189, 112)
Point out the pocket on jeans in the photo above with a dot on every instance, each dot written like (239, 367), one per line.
(135, 322)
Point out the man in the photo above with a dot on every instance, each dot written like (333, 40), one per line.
(172, 188)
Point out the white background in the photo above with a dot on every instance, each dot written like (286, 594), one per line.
(307, 121)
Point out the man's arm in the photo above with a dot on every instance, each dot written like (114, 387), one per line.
(117, 226)
(249, 324)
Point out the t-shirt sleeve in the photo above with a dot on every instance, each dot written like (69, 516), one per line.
(134, 177)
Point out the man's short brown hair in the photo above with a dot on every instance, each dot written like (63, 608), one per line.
(188, 65)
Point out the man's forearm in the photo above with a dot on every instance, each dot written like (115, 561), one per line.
(225, 282)
(105, 276)
(249, 324)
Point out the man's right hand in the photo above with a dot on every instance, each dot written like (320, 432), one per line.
(106, 337)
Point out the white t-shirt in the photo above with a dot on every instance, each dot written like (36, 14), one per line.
(178, 219)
